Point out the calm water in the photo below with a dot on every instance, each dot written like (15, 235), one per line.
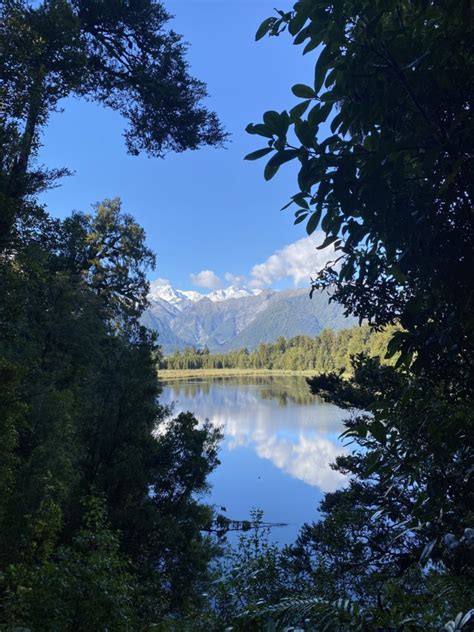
(278, 443)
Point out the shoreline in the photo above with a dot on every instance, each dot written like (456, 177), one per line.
(177, 374)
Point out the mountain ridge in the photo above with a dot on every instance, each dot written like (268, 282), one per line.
(233, 317)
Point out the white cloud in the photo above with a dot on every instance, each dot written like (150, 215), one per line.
(308, 459)
(303, 444)
(160, 282)
(297, 261)
(235, 279)
(207, 279)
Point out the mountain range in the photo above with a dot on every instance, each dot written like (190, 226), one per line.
(236, 317)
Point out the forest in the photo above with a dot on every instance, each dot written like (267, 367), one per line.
(330, 351)
(104, 524)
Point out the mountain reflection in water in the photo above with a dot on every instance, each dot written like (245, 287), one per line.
(276, 418)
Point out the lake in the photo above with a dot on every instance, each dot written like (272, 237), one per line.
(279, 441)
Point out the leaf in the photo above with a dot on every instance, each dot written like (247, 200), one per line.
(255, 155)
(330, 97)
(311, 45)
(304, 133)
(276, 161)
(277, 123)
(301, 218)
(297, 111)
(297, 23)
(303, 91)
(313, 222)
(302, 35)
(283, 208)
(264, 27)
(270, 170)
(379, 431)
(337, 120)
(426, 553)
(377, 514)
(327, 242)
(319, 114)
(300, 199)
(259, 129)
(321, 68)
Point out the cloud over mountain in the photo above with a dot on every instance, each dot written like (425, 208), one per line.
(207, 279)
(297, 261)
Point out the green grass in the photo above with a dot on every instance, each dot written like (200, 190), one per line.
(177, 374)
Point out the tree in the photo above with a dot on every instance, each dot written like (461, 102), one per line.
(391, 186)
(117, 53)
(87, 586)
(80, 413)
(391, 189)
(84, 544)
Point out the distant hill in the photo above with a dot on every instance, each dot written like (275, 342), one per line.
(236, 317)
(291, 313)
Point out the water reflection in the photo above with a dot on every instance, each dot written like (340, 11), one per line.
(273, 417)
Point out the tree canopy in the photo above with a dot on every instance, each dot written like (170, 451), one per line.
(114, 52)
(383, 135)
(100, 525)
(391, 183)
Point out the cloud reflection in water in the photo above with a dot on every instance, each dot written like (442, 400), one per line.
(276, 418)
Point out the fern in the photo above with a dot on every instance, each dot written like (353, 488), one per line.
(303, 611)
(343, 615)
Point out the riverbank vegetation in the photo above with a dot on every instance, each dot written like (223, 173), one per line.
(181, 374)
(330, 351)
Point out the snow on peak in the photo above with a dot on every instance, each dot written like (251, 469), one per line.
(228, 292)
(181, 298)
(192, 295)
(167, 293)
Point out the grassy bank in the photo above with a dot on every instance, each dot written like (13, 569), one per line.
(177, 374)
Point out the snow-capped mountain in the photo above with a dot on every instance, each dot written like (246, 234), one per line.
(180, 298)
(236, 317)
(167, 293)
(231, 292)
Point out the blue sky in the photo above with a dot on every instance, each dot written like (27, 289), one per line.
(207, 210)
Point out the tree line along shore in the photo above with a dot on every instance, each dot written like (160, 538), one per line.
(301, 355)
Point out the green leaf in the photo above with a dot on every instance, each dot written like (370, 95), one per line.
(319, 114)
(302, 35)
(311, 45)
(300, 199)
(276, 161)
(271, 118)
(336, 121)
(327, 242)
(379, 431)
(330, 97)
(283, 208)
(264, 27)
(397, 273)
(255, 155)
(426, 553)
(297, 23)
(277, 123)
(259, 129)
(298, 111)
(301, 218)
(302, 91)
(270, 170)
(321, 68)
(313, 222)
(305, 133)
